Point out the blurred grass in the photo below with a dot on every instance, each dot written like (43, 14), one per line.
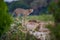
(41, 17)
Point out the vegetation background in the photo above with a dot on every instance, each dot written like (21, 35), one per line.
(45, 11)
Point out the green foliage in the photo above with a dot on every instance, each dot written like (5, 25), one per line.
(30, 37)
(5, 18)
(54, 8)
(55, 31)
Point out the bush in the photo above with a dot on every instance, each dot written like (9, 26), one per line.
(54, 8)
(55, 31)
(5, 18)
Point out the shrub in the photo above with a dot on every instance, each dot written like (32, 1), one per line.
(5, 18)
(55, 31)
